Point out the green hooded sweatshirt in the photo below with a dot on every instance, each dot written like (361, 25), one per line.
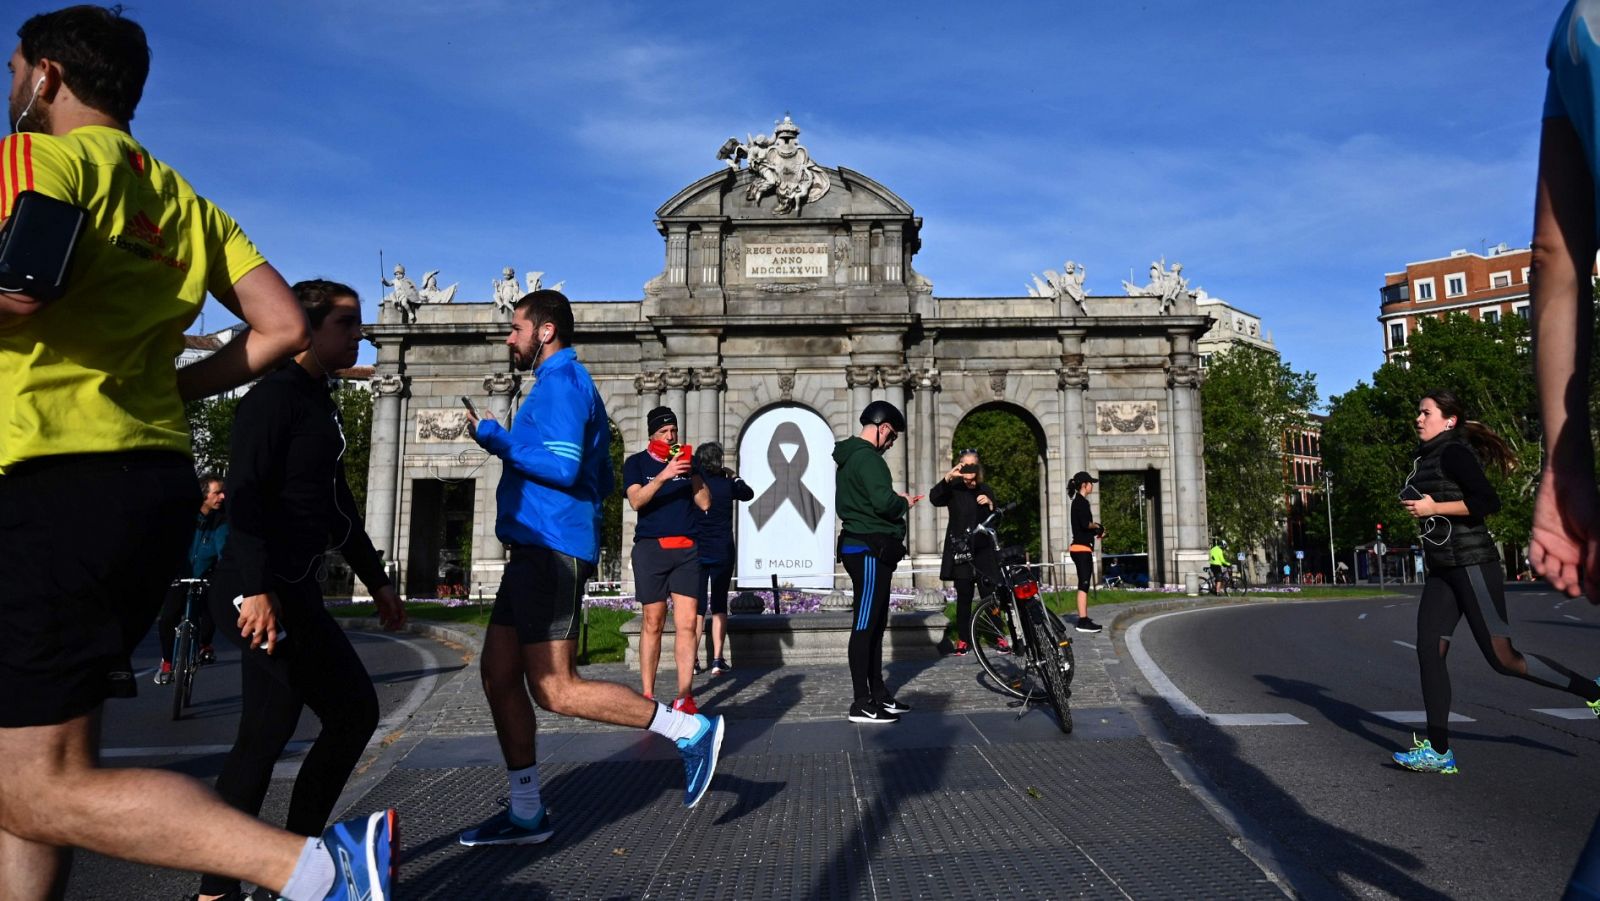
(865, 496)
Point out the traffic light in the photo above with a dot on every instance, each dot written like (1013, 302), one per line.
(1380, 531)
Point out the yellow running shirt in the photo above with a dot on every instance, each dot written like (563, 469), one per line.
(94, 371)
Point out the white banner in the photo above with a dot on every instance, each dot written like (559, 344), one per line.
(786, 457)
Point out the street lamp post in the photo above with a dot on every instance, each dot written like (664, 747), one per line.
(1327, 500)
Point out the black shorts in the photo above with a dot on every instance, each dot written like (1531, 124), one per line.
(715, 577)
(659, 571)
(88, 545)
(1084, 562)
(541, 594)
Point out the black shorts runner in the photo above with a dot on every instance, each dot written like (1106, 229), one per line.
(541, 594)
(88, 545)
(659, 571)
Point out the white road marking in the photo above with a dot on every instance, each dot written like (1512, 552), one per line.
(1413, 717)
(1179, 701)
(1571, 617)
(1362, 616)
(1566, 713)
(1405, 644)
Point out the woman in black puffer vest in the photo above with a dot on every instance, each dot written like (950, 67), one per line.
(1449, 496)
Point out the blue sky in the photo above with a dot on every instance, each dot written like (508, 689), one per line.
(1287, 153)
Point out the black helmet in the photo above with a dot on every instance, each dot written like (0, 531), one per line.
(881, 411)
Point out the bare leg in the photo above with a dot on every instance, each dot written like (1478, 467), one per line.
(506, 687)
(719, 631)
(557, 687)
(1083, 605)
(53, 794)
(655, 619)
(700, 638)
(32, 870)
(684, 610)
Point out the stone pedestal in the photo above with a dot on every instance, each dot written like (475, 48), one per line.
(772, 640)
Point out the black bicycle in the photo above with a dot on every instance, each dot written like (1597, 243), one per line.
(1022, 646)
(186, 645)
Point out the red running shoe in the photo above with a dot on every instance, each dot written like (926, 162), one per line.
(1003, 646)
(961, 649)
(686, 704)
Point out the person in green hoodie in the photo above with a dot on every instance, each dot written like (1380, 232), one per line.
(872, 533)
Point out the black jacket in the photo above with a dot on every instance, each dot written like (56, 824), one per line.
(964, 514)
(1446, 469)
(287, 496)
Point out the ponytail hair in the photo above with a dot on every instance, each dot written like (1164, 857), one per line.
(1485, 442)
(1072, 487)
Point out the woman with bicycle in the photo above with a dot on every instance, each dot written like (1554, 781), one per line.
(1084, 533)
(289, 503)
(1449, 496)
(963, 491)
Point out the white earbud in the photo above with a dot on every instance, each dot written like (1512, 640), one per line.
(37, 86)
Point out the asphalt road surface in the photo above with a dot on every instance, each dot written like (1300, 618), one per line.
(1325, 791)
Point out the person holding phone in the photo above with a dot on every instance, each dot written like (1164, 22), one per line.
(1450, 496)
(714, 537)
(289, 504)
(969, 500)
(872, 533)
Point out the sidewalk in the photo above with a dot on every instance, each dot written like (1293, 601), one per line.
(960, 799)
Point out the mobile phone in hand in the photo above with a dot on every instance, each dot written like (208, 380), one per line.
(467, 402)
(238, 605)
(1410, 493)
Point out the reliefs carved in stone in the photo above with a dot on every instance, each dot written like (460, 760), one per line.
(786, 383)
(709, 378)
(1165, 284)
(861, 376)
(1185, 376)
(389, 384)
(1127, 418)
(441, 425)
(676, 379)
(732, 253)
(501, 383)
(928, 379)
(776, 288)
(1072, 377)
(648, 382)
(1059, 286)
(997, 383)
(780, 166)
(896, 376)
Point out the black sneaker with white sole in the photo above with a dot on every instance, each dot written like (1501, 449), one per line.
(895, 707)
(871, 713)
(1085, 624)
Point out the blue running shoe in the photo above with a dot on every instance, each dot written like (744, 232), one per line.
(505, 829)
(366, 856)
(1424, 759)
(700, 758)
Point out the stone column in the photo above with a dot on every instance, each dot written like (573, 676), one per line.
(676, 382)
(708, 382)
(895, 379)
(488, 554)
(1072, 383)
(689, 415)
(1184, 379)
(383, 478)
(861, 380)
(677, 254)
(648, 384)
(926, 470)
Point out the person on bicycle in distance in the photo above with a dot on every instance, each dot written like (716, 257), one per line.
(872, 518)
(290, 503)
(1219, 564)
(969, 500)
(1084, 532)
(210, 533)
(1449, 496)
(714, 538)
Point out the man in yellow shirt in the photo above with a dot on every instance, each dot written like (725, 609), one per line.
(91, 421)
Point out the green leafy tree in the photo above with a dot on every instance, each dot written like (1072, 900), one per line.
(1120, 501)
(211, 430)
(1010, 453)
(355, 408)
(1250, 398)
(611, 507)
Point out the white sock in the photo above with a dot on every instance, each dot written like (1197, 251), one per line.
(313, 873)
(524, 793)
(674, 724)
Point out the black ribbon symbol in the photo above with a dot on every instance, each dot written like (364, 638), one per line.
(786, 485)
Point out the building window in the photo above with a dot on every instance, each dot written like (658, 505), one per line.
(1523, 311)
(1491, 316)
(1524, 275)
(1500, 280)
(1455, 284)
(1397, 335)
(1424, 290)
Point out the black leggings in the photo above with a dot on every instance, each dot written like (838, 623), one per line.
(869, 576)
(964, 590)
(172, 613)
(315, 667)
(1084, 561)
(1478, 593)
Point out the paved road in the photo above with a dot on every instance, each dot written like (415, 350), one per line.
(405, 668)
(1510, 825)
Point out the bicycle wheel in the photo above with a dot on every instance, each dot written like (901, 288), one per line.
(991, 625)
(182, 670)
(1055, 662)
(1238, 587)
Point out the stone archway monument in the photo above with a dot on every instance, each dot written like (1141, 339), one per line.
(788, 285)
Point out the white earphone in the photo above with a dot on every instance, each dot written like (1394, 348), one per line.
(37, 86)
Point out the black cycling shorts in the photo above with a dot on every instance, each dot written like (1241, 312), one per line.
(88, 545)
(541, 594)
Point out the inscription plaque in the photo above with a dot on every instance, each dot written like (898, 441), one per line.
(769, 261)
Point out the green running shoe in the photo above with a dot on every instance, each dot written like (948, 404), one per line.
(1424, 759)
(1594, 706)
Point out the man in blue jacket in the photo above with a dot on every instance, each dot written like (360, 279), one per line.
(557, 473)
(210, 534)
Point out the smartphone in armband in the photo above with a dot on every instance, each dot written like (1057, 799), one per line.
(36, 245)
(238, 605)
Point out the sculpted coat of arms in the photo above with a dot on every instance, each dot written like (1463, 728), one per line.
(781, 167)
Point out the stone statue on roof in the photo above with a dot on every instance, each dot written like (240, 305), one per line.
(779, 166)
(1169, 285)
(1065, 285)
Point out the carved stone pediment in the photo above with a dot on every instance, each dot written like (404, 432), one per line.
(1127, 417)
(441, 425)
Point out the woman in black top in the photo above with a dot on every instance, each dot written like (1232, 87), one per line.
(714, 537)
(290, 503)
(1084, 532)
(1449, 496)
(963, 491)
